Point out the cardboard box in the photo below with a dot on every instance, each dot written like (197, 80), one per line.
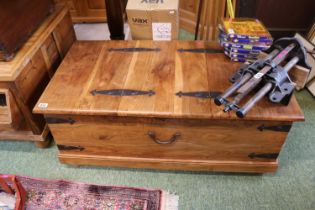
(153, 19)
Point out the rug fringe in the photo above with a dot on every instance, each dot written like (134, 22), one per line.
(169, 201)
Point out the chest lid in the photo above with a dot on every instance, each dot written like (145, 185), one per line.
(148, 79)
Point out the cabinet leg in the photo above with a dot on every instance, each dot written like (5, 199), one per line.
(45, 143)
(42, 144)
(114, 12)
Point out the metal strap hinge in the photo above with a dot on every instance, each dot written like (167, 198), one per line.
(70, 148)
(199, 94)
(277, 128)
(200, 50)
(263, 155)
(122, 92)
(57, 120)
(134, 49)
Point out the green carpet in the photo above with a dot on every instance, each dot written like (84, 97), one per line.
(184, 35)
(291, 188)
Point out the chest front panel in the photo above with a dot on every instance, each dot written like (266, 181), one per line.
(167, 138)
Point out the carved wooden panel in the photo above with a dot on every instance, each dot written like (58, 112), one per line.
(86, 10)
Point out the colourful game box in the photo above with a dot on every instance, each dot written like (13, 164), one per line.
(245, 28)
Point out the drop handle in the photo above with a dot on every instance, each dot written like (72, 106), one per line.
(173, 138)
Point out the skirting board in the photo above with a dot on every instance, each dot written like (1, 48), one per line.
(24, 135)
(165, 164)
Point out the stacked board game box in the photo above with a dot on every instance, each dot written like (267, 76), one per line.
(243, 38)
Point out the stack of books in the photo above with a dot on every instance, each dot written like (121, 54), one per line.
(243, 38)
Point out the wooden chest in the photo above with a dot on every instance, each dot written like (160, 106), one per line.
(18, 20)
(23, 79)
(132, 104)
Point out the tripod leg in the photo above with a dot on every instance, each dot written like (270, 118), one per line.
(254, 100)
(237, 85)
(219, 100)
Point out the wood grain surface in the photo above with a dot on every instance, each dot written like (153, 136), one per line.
(197, 140)
(18, 20)
(169, 164)
(23, 79)
(10, 115)
(51, 28)
(85, 10)
(92, 66)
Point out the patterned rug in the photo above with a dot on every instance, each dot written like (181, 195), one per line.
(49, 195)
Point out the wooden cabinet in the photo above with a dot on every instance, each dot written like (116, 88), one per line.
(281, 17)
(188, 10)
(134, 104)
(86, 10)
(212, 12)
(24, 78)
